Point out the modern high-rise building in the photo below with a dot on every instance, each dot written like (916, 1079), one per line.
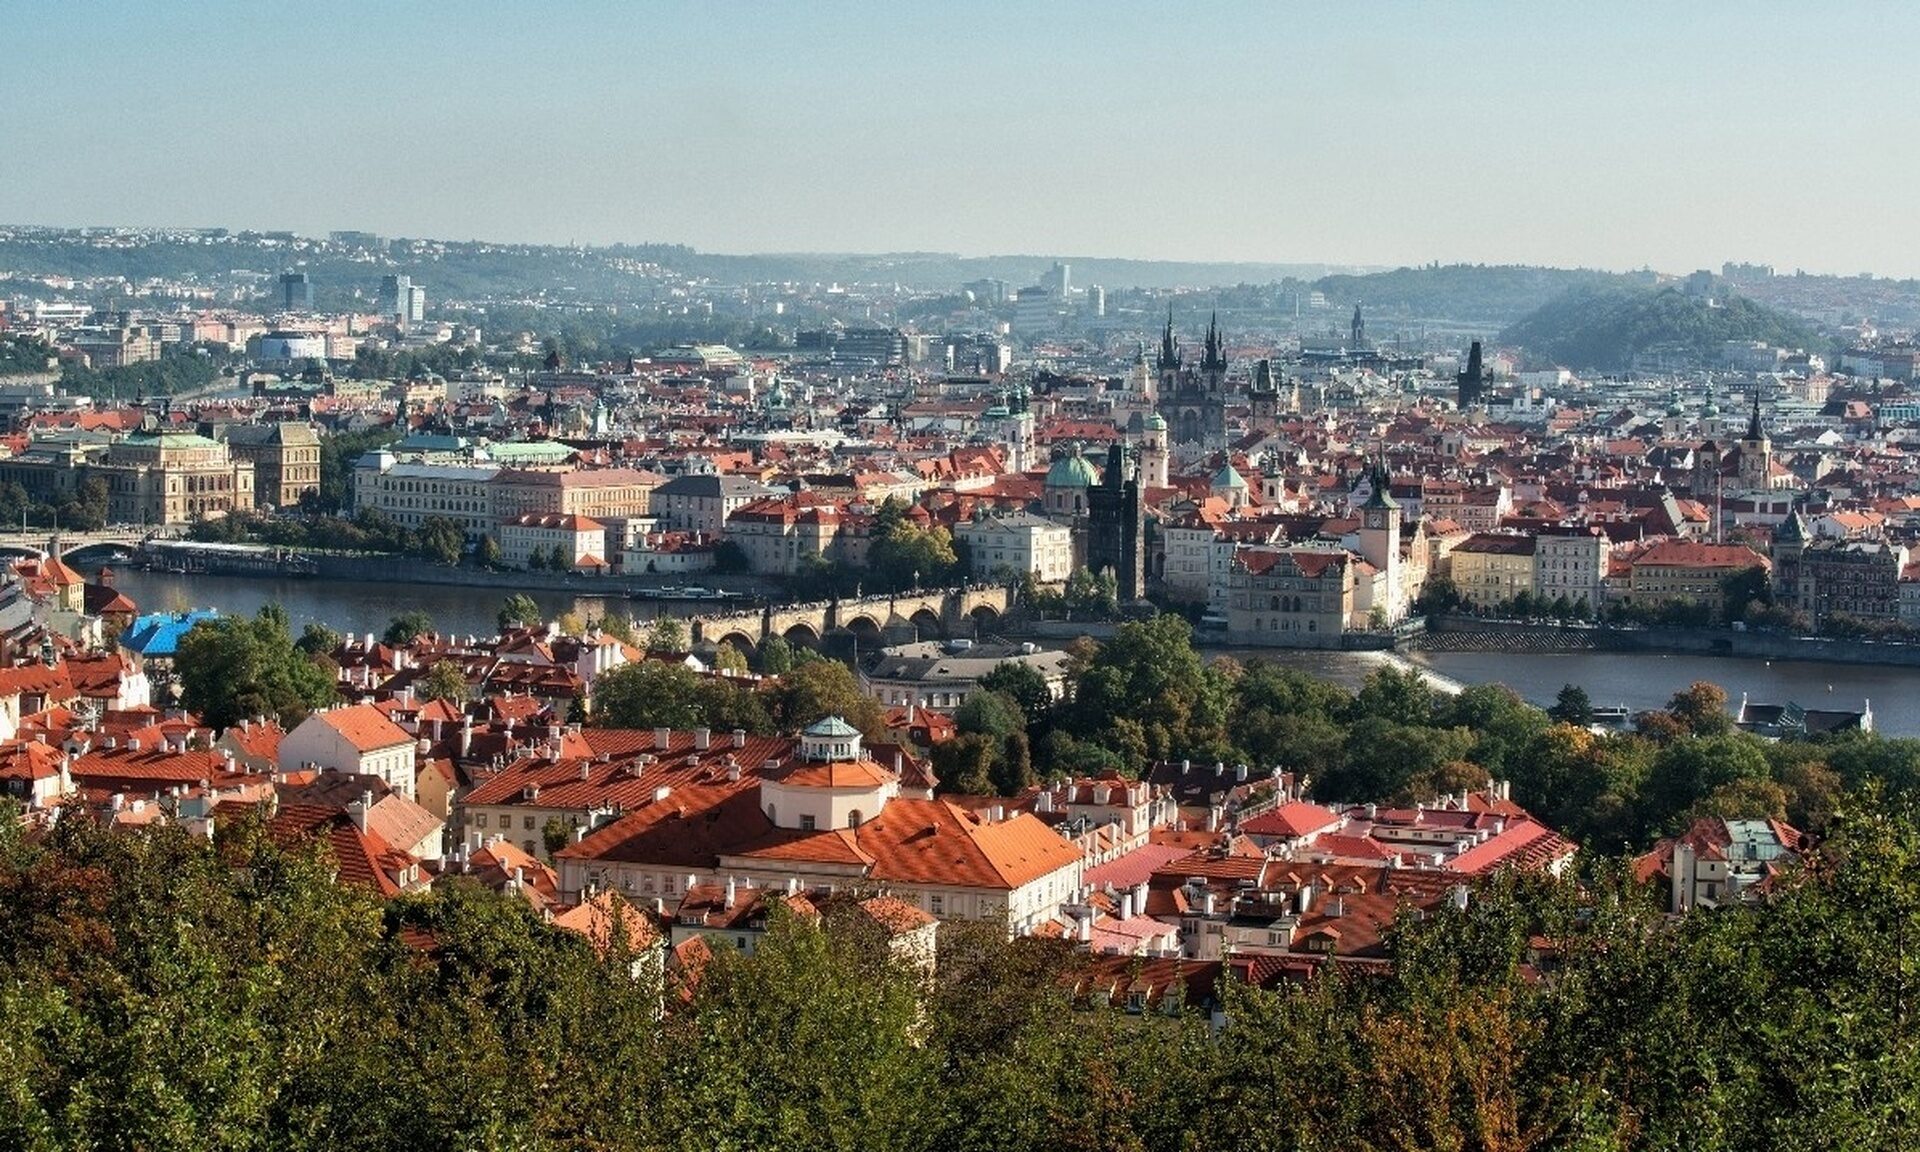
(296, 292)
(1059, 281)
(402, 301)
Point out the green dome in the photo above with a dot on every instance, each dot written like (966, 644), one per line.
(1156, 423)
(1073, 471)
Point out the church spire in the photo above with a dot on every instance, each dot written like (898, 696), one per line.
(1169, 351)
(1215, 357)
(1755, 430)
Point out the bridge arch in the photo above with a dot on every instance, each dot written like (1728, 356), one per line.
(927, 624)
(802, 634)
(741, 641)
(984, 617)
(865, 627)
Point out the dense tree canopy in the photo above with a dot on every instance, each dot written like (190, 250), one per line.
(234, 668)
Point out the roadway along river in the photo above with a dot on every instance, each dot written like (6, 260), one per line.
(1635, 680)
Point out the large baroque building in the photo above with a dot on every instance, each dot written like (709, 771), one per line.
(173, 478)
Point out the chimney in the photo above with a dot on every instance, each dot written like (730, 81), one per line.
(739, 737)
(1126, 907)
(702, 739)
(586, 769)
(731, 894)
(357, 810)
(466, 736)
(1085, 927)
(662, 737)
(1240, 774)
(1459, 896)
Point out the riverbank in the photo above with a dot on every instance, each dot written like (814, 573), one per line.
(1465, 634)
(388, 569)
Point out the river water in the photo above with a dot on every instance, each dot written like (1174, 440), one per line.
(1637, 680)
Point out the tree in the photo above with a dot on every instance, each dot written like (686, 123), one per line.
(445, 681)
(1025, 686)
(1438, 596)
(234, 668)
(519, 611)
(1572, 706)
(776, 656)
(559, 560)
(571, 623)
(317, 639)
(650, 694)
(536, 560)
(667, 635)
(1701, 708)
(407, 627)
(822, 688)
(488, 552)
(442, 539)
(619, 625)
(988, 713)
(730, 660)
(555, 834)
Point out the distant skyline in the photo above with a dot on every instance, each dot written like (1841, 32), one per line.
(1614, 136)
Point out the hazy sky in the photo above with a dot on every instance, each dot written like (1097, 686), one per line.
(1611, 134)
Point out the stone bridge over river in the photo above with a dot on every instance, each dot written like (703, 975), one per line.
(870, 620)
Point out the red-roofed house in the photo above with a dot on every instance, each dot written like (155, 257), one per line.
(354, 738)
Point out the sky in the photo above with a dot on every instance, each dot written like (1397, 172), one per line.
(1616, 135)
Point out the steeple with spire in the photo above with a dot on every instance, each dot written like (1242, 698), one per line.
(1169, 351)
(1215, 359)
(1358, 330)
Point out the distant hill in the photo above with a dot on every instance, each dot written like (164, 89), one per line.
(1491, 294)
(1602, 327)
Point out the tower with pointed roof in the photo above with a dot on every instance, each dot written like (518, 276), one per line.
(1379, 535)
(1116, 526)
(1472, 382)
(1756, 453)
(1193, 401)
(1357, 331)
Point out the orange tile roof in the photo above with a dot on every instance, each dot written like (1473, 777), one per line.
(365, 727)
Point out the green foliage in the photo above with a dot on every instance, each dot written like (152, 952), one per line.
(234, 668)
(445, 681)
(1605, 327)
(441, 539)
(179, 370)
(904, 554)
(164, 992)
(1572, 706)
(518, 611)
(667, 635)
(816, 689)
(407, 627)
(487, 552)
(559, 560)
(657, 694)
(337, 455)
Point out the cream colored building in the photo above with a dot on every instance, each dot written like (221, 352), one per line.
(173, 478)
(1018, 542)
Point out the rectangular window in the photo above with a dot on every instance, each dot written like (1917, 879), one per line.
(806, 823)
(480, 820)
(526, 822)
(936, 903)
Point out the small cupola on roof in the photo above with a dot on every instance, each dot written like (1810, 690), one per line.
(830, 739)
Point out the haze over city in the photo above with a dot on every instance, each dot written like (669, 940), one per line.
(583, 576)
(1615, 136)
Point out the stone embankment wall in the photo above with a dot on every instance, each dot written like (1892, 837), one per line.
(1465, 634)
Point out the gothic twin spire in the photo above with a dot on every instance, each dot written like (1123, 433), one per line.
(1213, 354)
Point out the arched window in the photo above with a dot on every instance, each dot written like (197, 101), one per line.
(853, 818)
(771, 816)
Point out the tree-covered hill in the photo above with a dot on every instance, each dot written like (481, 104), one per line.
(1603, 327)
(1488, 293)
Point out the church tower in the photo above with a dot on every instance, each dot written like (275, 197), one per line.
(1380, 535)
(1213, 361)
(1472, 382)
(1358, 331)
(1168, 364)
(1756, 452)
(1153, 452)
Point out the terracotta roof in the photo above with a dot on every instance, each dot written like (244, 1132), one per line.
(365, 727)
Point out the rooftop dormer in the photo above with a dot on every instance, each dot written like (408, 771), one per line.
(830, 739)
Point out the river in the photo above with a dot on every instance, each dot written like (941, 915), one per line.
(1637, 680)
